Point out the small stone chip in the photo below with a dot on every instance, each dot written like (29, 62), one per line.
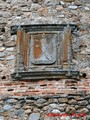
(69, 0)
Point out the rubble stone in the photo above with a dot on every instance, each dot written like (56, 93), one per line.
(34, 116)
(84, 110)
(73, 7)
(63, 100)
(2, 49)
(70, 110)
(10, 44)
(7, 107)
(84, 102)
(2, 54)
(55, 111)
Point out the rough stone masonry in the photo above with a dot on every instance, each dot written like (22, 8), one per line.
(22, 100)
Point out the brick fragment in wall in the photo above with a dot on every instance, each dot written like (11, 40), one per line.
(42, 88)
(69, 0)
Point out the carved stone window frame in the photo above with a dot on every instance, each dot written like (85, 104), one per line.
(27, 67)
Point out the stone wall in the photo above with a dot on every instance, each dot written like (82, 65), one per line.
(76, 107)
(16, 95)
